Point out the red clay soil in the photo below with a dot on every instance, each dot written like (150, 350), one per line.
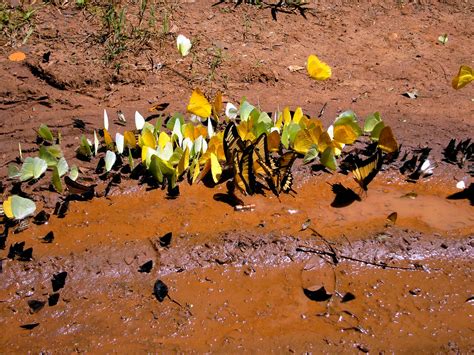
(243, 281)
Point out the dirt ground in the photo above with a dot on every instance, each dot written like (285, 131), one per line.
(242, 281)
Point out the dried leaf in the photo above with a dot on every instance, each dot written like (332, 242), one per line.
(17, 56)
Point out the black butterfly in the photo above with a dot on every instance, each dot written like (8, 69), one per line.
(166, 239)
(59, 280)
(460, 153)
(146, 267)
(366, 170)
(160, 290)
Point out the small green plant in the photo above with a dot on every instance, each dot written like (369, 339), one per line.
(115, 36)
(141, 11)
(16, 23)
(216, 62)
(165, 23)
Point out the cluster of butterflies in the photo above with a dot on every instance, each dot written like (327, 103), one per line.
(254, 165)
(460, 153)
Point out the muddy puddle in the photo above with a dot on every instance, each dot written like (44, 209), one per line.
(237, 280)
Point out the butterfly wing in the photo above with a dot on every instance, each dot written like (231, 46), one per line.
(365, 172)
(244, 177)
(387, 141)
(285, 177)
(317, 69)
(77, 188)
(232, 142)
(199, 105)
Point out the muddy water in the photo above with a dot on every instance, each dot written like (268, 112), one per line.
(197, 217)
(236, 279)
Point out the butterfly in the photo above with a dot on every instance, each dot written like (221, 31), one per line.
(33, 168)
(263, 161)
(365, 171)
(464, 77)
(244, 176)
(232, 142)
(199, 105)
(277, 173)
(284, 175)
(77, 188)
(317, 69)
(184, 45)
(387, 141)
(17, 207)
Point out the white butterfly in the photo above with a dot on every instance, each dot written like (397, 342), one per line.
(139, 121)
(184, 45)
(426, 168)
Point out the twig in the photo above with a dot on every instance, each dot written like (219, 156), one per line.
(382, 265)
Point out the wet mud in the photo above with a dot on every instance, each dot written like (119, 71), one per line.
(237, 280)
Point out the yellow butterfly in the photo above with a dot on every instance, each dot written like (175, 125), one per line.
(183, 163)
(317, 69)
(306, 138)
(285, 117)
(387, 141)
(210, 159)
(147, 139)
(129, 139)
(464, 77)
(17, 207)
(217, 105)
(199, 105)
(193, 132)
(108, 139)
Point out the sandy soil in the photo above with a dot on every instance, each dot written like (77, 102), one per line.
(237, 280)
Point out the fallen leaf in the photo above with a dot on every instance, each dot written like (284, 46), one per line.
(294, 68)
(17, 56)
